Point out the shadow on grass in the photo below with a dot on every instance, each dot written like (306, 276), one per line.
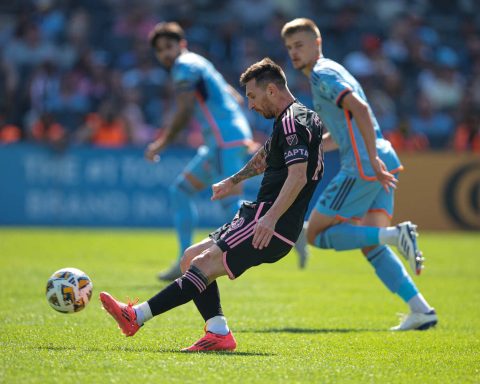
(308, 330)
(61, 348)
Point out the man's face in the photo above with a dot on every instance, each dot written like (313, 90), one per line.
(258, 99)
(303, 49)
(167, 50)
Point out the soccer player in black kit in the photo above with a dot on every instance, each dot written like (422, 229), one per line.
(263, 231)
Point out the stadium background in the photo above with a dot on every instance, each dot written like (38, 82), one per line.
(69, 68)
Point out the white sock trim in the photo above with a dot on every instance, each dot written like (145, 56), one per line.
(418, 304)
(388, 235)
(218, 325)
(144, 313)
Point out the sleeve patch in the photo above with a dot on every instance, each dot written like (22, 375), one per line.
(297, 154)
(292, 139)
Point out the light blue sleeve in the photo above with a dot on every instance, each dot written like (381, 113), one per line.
(332, 86)
(185, 77)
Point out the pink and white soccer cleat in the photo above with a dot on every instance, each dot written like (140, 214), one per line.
(213, 342)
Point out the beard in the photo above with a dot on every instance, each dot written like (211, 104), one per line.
(269, 115)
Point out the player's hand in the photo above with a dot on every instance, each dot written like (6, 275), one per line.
(383, 176)
(153, 149)
(222, 189)
(263, 232)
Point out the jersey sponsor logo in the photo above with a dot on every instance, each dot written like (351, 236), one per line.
(296, 152)
(292, 139)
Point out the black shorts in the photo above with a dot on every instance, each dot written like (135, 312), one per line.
(235, 240)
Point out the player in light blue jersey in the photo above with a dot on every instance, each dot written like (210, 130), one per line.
(201, 92)
(355, 209)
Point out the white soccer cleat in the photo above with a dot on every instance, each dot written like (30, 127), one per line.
(407, 246)
(417, 321)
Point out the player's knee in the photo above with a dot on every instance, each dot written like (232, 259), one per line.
(186, 259)
(202, 262)
(208, 263)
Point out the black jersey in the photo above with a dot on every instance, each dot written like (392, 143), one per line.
(296, 138)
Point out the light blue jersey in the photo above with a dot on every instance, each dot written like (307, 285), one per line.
(223, 122)
(330, 83)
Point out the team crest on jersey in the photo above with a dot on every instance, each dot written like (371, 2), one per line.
(237, 223)
(292, 139)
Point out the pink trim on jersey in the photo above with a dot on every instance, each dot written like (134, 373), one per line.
(289, 242)
(288, 122)
(231, 276)
(289, 161)
(216, 131)
(319, 165)
(309, 135)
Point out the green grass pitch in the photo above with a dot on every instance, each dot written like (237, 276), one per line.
(326, 324)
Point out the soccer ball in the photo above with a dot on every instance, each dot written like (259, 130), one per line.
(69, 290)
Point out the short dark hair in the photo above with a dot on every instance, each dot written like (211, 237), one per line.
(300, 25)
(170, 30)
(264, 71)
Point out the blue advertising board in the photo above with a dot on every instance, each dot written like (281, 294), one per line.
(87, 186)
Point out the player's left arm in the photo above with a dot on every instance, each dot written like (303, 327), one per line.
(255, 166)
(296, 180)
(361, 113)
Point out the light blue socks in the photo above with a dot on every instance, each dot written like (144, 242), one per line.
(185, 213)
(392, 272)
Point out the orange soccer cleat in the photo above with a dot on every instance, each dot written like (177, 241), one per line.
(124, 314)
(213, 342)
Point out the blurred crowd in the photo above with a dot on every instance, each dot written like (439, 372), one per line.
(82, 72)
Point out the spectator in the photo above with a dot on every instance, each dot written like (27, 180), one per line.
(47, 131)
(104, 128)
(100, 47)
(437, 126)
(444, 85)
(467, 133)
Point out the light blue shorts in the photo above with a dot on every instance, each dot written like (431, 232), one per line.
(351, 197)
(210, 165)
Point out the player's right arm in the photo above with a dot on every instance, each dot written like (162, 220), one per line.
(255, 166)
(185, 102)
(361, 114)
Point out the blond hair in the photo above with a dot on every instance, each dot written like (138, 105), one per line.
(300, 25)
